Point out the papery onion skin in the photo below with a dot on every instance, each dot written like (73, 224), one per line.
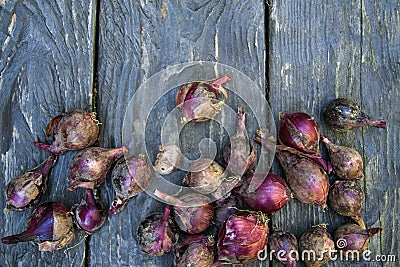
(194, 251)
(89, 214)
(269, 197)
(50, 225)
(242, 237)
(344, 114)
(281, 240)
(73, 130)
(89, 167)
(168, 159)
(204, 176)
(129, 177)
(225, 207)
(25, 190)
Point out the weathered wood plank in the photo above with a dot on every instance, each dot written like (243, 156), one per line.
(138, 39)
(380, 89)
(45, 68)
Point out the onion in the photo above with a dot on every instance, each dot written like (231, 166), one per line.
(194, 251)
(301, 132)
(157, 234)
(352, 237)
(50, 225)
(129, 177)
(242, 237)
(89, 167)
(284, 247)
(269, 197)
(168, 159)
(307, 179)
(345, 114)
(204, 176)
(316, 240)
(347, 198)
(25, 191)
(225, 207)
(347, 163)
(89, 214)
(76, 129)
(243, 156)
(202, 100)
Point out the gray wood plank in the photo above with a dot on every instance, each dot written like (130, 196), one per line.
(138, 39)
(380, 81)
(45, 69)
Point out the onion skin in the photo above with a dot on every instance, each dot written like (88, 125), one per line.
(129, 177)
(89, 214)
(318, 240)
(347, 162)
(157, 234)
(345, 114)
(202, 100)
(347, 198)
(168, 159)
(194, 251)
(225, 207)
(241, 237)
(244, 155)
(50, 225)
(73, 130)
(25, 190)
(89, 167)
(356, 238)
(280, 240)
(204, 176)
(269, 197)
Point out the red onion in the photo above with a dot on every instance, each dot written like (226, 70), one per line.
(225, 207)
(157, 234)
(242, 237)
(204, 176)
(347, 163)
(129, 177)
(352, 237)
(301, 131)
(24, 191)
(269, 197)
(347, 198)
(202, 100)
(194, 251)
(345, 114)
(192, 212)
(168, 159)
(244, 156)
(307, 179)
(50, 225)
(284, 247)
(76, 129)
(89, 167)
(318, 241)
(89, 214)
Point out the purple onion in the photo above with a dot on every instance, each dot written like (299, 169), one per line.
(89, 167)
(168, 159)
(269, 197)
(284, 247)
(129, 178)
(73, 130)
(157, 234)
(243, 156)
(89, 214)
(194, 251)
(202, 100)
(50, 225)
(204, 176)
(25, 191)
(225, 207)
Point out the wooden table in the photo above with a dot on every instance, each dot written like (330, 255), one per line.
(94, 55)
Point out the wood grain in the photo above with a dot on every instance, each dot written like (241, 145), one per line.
(45, 69)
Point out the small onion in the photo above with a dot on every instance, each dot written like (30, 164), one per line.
(50, 225)
(25, 191)
(157, 234)
(202, 100)
(345, 114)
(284, 247)
(168, 159)
(194, 251)
(89, 167)
(347, 198)
(76, 129)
